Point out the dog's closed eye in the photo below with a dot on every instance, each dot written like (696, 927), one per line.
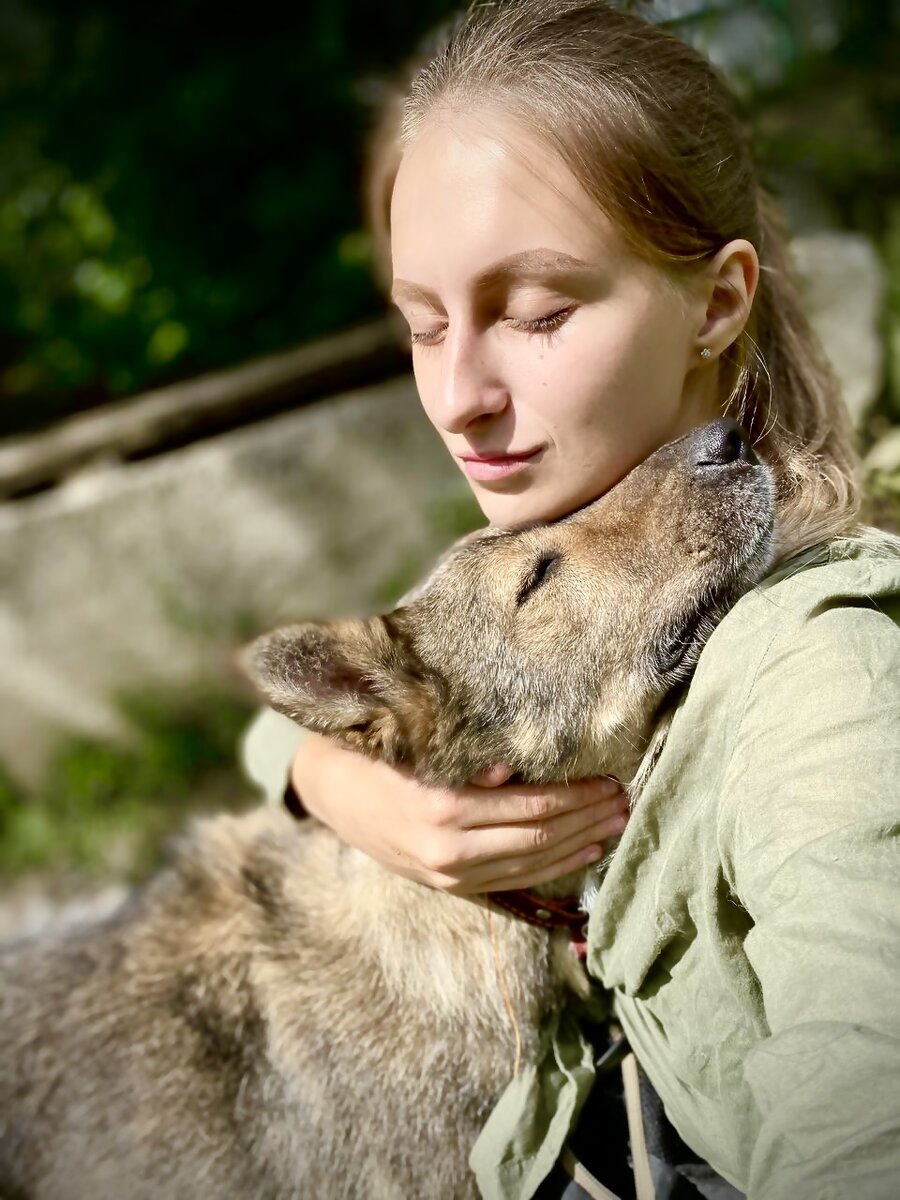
(541, 571)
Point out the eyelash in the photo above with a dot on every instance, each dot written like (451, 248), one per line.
(547, 326)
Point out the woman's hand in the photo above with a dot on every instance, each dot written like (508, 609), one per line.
(489, 836)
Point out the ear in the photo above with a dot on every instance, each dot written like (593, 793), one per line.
(731, 280)
(356, 679)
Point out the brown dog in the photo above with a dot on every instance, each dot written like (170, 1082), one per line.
(276, 1016)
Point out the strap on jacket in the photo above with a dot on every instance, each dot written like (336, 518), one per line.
(662, 1166)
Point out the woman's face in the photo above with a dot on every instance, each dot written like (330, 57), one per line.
(549, 357)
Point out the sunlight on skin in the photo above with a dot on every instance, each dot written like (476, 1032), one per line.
(543, 348)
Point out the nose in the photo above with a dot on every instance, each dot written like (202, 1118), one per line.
(469, 387)
(722, 443)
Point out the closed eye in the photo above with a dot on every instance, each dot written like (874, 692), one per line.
(542, 569)
(548, 324)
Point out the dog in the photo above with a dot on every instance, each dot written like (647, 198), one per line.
(276, 1017)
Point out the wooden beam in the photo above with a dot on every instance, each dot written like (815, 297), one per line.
(184, 412)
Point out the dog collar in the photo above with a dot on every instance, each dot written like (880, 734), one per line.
(548, 912)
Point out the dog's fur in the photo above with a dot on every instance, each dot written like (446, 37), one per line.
(276, 1016)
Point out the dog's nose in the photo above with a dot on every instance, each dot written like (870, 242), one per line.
(721, 443)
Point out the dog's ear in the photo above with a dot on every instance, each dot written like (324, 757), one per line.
(354, 679)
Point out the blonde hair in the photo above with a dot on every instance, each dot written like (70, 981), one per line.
(650, 131)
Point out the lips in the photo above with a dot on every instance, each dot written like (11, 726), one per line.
(489, 467)
(506, 456)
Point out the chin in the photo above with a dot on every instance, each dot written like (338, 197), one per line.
(526, 507)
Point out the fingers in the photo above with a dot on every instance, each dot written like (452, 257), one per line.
(547, 840)
(490, 837)
(475, 806)
(508, 856)
(505, 874)
(576, 861)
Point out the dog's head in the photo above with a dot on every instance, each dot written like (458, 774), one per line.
(549, 648)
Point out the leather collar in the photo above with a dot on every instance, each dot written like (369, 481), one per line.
(548, 912)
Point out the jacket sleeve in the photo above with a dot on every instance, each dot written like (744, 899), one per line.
(267, 750)
(814, 787)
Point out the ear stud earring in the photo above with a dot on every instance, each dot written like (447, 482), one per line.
(706, 353)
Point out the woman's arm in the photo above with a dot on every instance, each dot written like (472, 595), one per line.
(816, 863)
(485, 837)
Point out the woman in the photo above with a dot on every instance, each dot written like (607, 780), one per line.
(588, 270)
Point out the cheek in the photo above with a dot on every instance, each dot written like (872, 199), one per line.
(622, 372)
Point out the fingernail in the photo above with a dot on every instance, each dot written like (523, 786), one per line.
(592, 854)
(621, 822)
(610, 786)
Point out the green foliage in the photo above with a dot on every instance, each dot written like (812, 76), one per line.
(179, 192)
(105, 807)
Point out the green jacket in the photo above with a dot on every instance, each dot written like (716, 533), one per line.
(748, 927)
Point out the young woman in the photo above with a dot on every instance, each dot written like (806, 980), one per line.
(575, 236)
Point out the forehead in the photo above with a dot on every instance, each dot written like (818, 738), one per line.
(471, 189)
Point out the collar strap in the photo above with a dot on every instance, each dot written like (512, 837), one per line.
(549, 913)
(546, 911)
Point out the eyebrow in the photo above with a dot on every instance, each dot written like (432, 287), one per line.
(535, 264)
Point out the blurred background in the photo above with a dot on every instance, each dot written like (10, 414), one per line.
(207, 424)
